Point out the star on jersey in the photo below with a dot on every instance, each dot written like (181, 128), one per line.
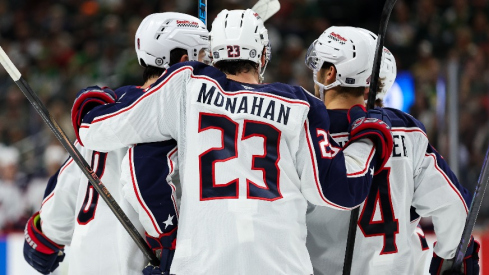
(169, 221)
(372, 171)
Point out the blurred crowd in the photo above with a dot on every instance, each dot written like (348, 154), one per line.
(63, 46)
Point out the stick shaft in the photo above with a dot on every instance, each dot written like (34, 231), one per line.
(480, 189)
(203, 11)
(75, 154)
(384, 20)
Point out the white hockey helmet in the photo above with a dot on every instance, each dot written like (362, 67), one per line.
(348, 51)
(159, 33)
(388, 71)
(388, 68)
(240, 35)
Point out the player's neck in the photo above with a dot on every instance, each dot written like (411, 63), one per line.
(149, 82)
(249, 77)
(332, 100)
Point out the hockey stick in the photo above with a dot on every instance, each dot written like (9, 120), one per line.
(80, 161)
(480, 189)
(266, 8)
(203, 11)
(352, 228)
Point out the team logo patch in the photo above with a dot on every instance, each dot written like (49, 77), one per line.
(215, 54)
(159, 61)
(187, 24)
(252, 53)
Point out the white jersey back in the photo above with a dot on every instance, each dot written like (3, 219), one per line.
(73, 214)
(249, 157)
(415, 181)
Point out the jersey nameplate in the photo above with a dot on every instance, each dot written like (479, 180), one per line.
(256, 105)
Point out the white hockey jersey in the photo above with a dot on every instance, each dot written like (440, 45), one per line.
(73, 214)
(415, 181)
(249, 157)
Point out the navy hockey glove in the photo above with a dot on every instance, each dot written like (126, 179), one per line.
(39, 251)
(470, 264)
(153, 270)
(375, 125)
(86, 100)
(164, 248)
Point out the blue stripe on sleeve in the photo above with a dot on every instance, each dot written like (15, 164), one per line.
(52, 182)
(443, 165)
(151, 167)
(336, 185)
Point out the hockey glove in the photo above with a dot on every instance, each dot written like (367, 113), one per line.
(39, 251)
(470, 264)
(164, 248)
(375, 125)
(86, 100)
(153, 270)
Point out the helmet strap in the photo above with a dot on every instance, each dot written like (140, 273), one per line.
(261, 72)
(323, 87)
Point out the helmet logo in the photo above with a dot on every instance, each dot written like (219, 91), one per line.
(336, 37)
(186, 23)
(350, 80)
(253, 53)
(215, 54)
(159, 61)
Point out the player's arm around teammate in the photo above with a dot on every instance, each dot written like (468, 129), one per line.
(123, 124)
(192, 102)
(147, 168)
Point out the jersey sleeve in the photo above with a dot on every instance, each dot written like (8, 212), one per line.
(147, 170)
(58, 207)
(330, 176)
(439, 194)
(139, 113)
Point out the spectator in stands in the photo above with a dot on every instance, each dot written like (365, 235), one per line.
(11, 202)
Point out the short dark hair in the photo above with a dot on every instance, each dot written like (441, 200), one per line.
(235, 67)
(151, 71)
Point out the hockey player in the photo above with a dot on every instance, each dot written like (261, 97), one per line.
(249, 154)
(415, 182)
(72, 212)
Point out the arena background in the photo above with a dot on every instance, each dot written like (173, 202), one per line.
(441, 48)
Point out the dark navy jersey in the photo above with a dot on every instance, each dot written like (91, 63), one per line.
(249, 156)
(416, 181)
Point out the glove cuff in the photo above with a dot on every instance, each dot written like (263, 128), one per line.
(36, 239)
(163, 241)
(84, 103)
